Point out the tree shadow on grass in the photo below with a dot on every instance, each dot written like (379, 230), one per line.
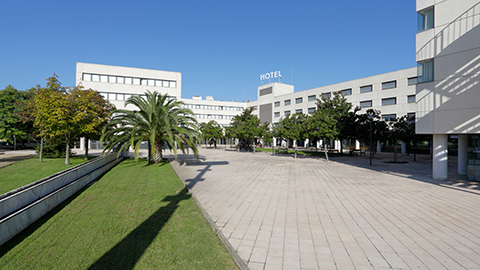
(127, 252)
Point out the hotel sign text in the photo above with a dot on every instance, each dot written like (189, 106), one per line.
(270, 75)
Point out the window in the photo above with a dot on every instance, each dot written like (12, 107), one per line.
(276, 114)
(411, 99)
(411, 115)
(311, 110)
(95, 78)
(151, 82)
(425, 71)
(173, 84)
(298, 100)
(136, 81)
(128, 80)
(365, 89)
(365, 104)
(286, 113)
(104, 95)
(389, 117)
(166, 84)
(412, 81)
(112, 79)
(327, 95)
(103, 78)
(111, 96)
(120, 97)
(347, 92)
(120, 80)
(286, 102)
(277, 104)
(425, 19)
(389, 101)
(389, 85)
(312, 98)
(127, 96)
(87, 77)
(144, 82)
(298, 111)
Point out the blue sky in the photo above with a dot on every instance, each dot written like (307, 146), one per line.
(220, 47)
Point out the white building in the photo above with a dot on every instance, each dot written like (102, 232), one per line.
(448, 89)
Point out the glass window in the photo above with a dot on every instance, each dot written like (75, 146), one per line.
(103, 78)
(365, 104)
(412, 81)
(286, 102)
(128, 80)
(299, 100)
(87, 77)
(277, 104)
(276, 114)
(112, 79)
(347, 92)
(389, 101)
(365, 89)
(312, 98)
(158, 83)
(311, 110)
(111, 96)
(425, 19)
(127, 96)
(298, 111)
(104, 95)
(120, 97)
(144, 82)
(95, 78)
(327, 95)
(286, 113)
(411, 114)
(166, 84)
(173, 84)
(425, 71)
(411, 99)
(151, 82)
(136, 81)
(120, 80)
(389, 85)
(389, 117)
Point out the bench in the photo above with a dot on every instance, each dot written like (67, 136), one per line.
(281, 151)
(357, 152)
(332, 150)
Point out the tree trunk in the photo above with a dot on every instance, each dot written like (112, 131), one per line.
(149, 152)
(326, 151)
(295, 142)
(67, 152)
(158, 152)
(41, 149)
(86, 149)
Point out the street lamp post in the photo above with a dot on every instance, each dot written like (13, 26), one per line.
(371, 138)
(14, 142)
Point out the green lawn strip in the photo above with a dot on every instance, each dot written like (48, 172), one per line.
(319, 153)
(30, 170)
(136, 216)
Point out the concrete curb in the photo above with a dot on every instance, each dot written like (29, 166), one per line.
(240, 263)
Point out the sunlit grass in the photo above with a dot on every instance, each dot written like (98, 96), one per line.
(136, 216)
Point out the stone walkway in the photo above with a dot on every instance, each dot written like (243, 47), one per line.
(10, 157)
(304, 213)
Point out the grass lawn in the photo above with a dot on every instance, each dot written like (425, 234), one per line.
(30, 170)
(319, 153)
(136, 216)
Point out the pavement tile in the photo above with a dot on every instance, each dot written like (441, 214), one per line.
(285, 213)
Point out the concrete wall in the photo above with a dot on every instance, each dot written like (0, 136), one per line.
(450, 104)
(20, 208)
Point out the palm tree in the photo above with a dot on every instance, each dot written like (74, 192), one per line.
(159, 120)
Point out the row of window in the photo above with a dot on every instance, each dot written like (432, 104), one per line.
(385, 117)
(127, 80)
(121, 97)
(348, 92)
(213, 116)
(386, 102)
(212, 107)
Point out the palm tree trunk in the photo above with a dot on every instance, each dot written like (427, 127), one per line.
(86, 148)
(158, 151)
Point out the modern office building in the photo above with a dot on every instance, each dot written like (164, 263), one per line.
(448, 89)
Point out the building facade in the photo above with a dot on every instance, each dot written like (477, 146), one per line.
(448, 89)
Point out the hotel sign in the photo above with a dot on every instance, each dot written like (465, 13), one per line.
(270, 75)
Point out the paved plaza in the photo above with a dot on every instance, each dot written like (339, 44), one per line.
(284, 213)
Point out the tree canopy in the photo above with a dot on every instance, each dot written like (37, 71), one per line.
(211, 130)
